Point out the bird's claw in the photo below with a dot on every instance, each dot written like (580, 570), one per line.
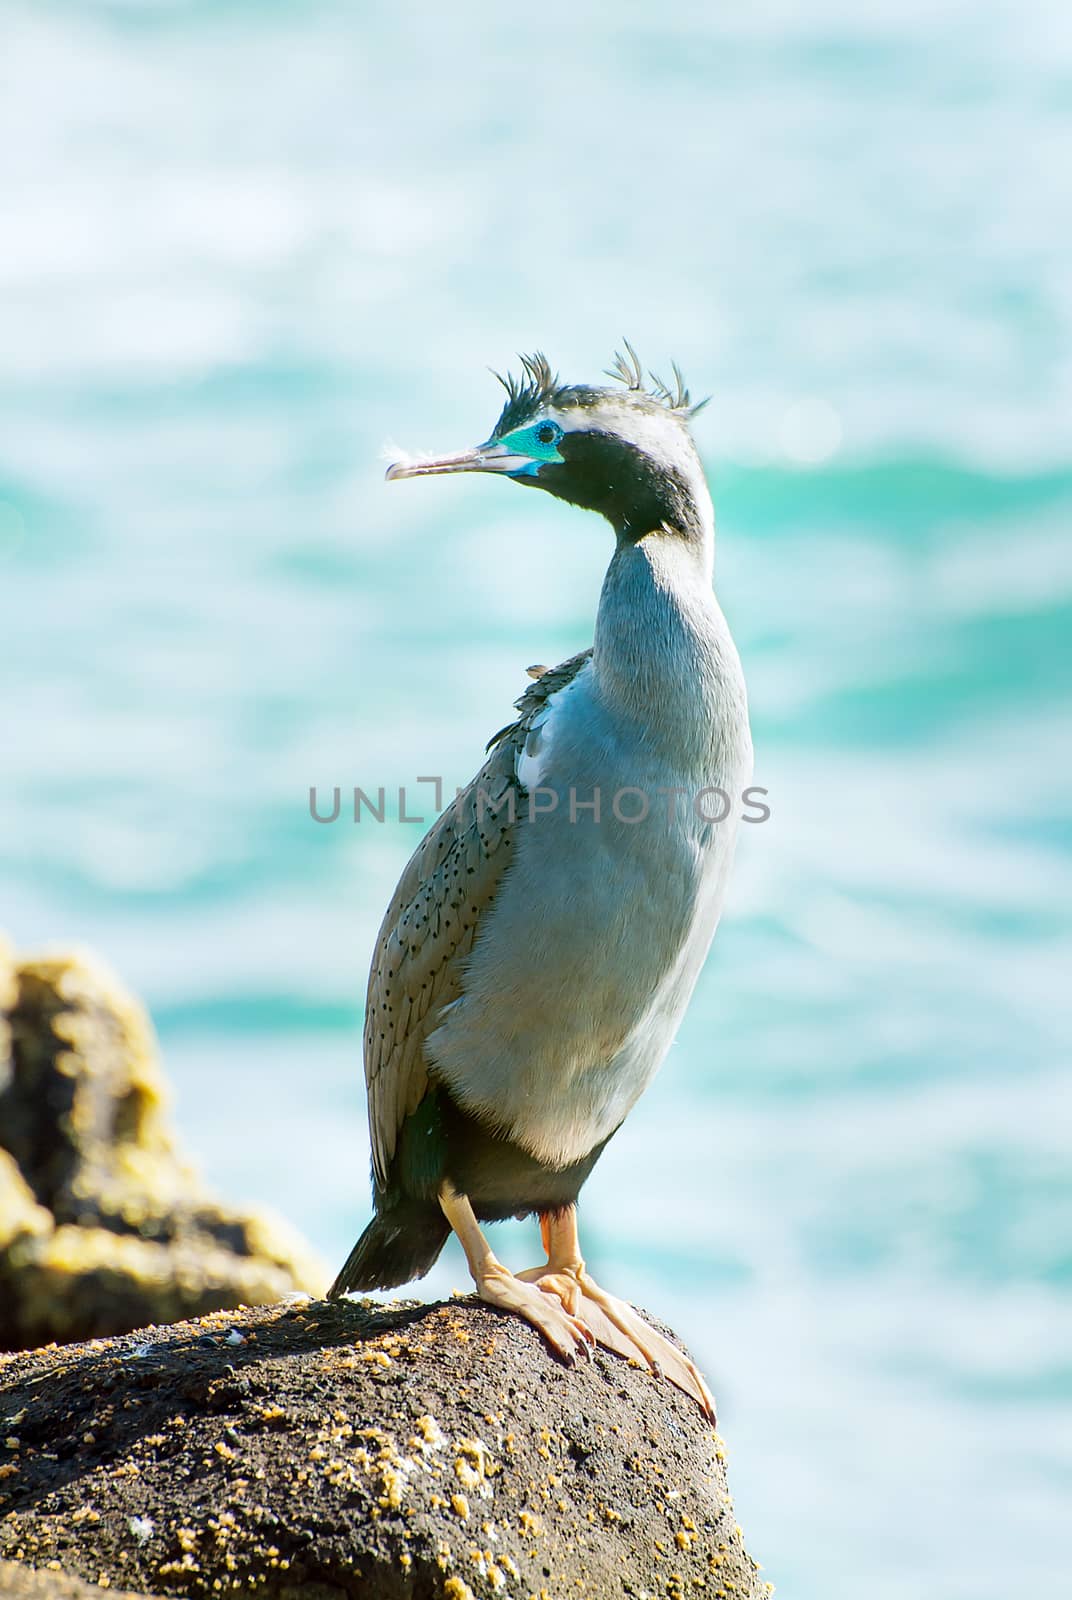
(567, 1335)
(614, 1324)
(624, 1331)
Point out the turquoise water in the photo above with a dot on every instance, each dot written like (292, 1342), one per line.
(247, 246)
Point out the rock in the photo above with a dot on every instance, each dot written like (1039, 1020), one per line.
(329, 1450)
(104, 1226)
(23, 1583)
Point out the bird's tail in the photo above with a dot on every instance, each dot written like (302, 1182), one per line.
(399, 1244)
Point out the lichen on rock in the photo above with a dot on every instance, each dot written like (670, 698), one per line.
(104, 1225)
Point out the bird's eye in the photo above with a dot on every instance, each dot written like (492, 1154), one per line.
(546, 433)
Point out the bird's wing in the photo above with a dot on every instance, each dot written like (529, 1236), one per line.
(532, 701)
(433, 918)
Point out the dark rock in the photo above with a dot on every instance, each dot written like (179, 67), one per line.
(324, 1451)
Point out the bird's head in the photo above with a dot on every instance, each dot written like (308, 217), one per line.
(625, 452)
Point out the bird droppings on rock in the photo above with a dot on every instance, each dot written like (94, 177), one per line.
(505, 1475)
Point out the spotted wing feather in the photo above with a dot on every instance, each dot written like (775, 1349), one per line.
(434, 917)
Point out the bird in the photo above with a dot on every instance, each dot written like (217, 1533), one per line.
(545, 938)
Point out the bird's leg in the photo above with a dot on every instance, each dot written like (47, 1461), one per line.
(614, 1323)
(565, 1333)
(562, 1274)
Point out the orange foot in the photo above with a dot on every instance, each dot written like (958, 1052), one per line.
(619, 1327)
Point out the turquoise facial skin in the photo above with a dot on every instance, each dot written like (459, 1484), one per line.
(539, 442)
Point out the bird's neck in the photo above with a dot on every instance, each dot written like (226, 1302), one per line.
(668, 497)
(663, 657)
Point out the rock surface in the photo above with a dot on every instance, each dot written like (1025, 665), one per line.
(321, 1451)
(25, 1583)
(104, 1226)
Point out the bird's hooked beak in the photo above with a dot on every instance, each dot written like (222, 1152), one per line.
(495, 456)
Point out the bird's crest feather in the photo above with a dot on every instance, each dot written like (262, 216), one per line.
(627, 368)
(539, 386)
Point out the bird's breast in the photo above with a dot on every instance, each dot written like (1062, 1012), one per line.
(584, 965)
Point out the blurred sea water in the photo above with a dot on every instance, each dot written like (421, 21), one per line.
(246, 247)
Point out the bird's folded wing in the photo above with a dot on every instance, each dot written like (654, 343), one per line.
(532, 701)
(434, 917)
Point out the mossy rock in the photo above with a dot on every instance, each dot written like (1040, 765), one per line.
(104, 1225)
